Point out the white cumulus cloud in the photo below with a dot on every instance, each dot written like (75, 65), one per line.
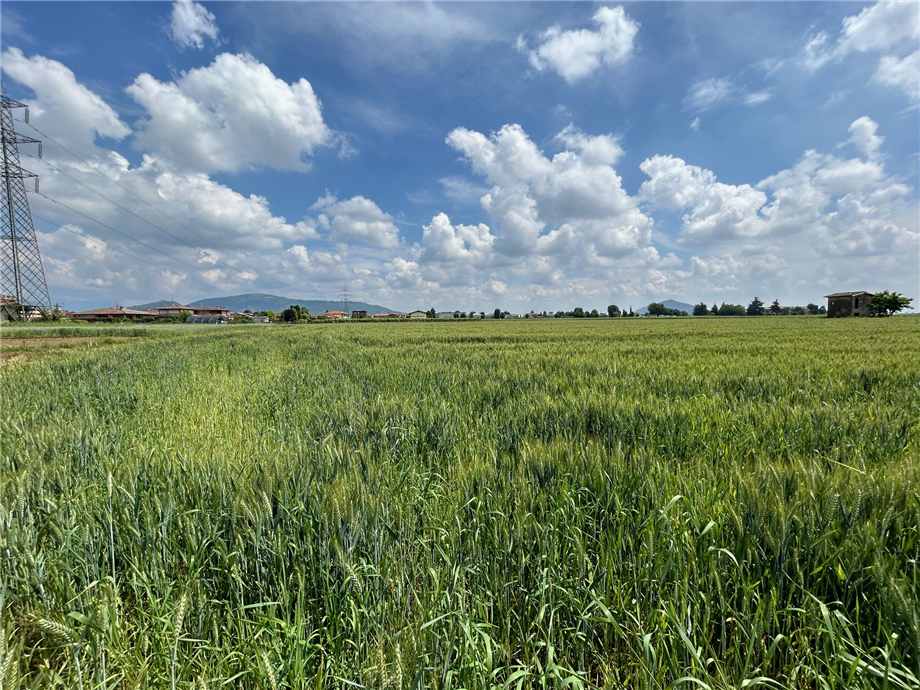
(191, 24)
(63, 107)
(229, 116)
(357, 219)
(571, 204)
(577, 53)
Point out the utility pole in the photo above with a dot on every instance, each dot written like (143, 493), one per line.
(23, 287)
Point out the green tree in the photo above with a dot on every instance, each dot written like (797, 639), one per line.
(578, 312)
(812, 309)
(888, 303)
(732, 310)
(613, 310)
(700, 309)
(755, 308)
(656, 309)
(714, 310)
(295, 313)
(594, 313)
(497, 314)
(775, 307)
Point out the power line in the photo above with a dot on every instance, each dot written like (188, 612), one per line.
(115, 182)
(76, 231)
(115, 230)
(115, 203)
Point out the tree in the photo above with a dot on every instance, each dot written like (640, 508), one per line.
(732, 310)
(714, 310)
(613, 310)
(755, 308)
(700, 309)
(812, 309)
(775, 307)
(431, 313)
(295, 313)
(656, 309)
(497, 314)
(594, 314)
(888, 303)
(578, 312)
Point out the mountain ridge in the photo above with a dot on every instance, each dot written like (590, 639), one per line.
(257, 301)
(671, 304)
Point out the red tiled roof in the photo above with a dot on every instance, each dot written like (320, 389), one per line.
(116, 311)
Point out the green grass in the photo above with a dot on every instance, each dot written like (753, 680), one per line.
(692, 503)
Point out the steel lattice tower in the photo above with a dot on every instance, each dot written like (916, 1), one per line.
(23, 287)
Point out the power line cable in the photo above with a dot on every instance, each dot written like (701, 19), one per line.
(92, 167)
(115, 230)
(115, 203)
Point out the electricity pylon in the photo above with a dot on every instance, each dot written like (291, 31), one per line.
(23, 287)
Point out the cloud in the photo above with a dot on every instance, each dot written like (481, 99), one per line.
(880, 28)
(405, 36)
(578, 53)
(205, 119)
(709, 93)
(714, 209)
(602, 149)
(571, 205)
(757, 98)
(443, 241)
(902, 73)
(695, 124)
(63, 107)
(864, 136)
(461, 190)
(822, 206)
(191, 24)
(357, 219)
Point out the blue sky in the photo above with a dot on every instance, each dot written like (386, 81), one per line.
(528, 156)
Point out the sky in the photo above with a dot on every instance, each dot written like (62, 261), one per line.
(471, 155)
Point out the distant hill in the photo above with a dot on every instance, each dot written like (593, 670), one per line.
(672, 304)
(159, 304)
(262, 302)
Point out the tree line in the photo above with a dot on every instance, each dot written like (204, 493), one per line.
(882, 304)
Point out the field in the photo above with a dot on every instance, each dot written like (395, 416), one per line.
(638, 503)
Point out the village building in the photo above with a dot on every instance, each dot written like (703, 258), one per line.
(849, 303)
(117, 314)
(387, 315)
(418, 314)
(208, 318)
(333, 315)
(359, 314)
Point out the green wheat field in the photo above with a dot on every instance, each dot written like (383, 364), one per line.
(630, 503)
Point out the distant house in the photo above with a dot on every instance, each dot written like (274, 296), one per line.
(418, 314)
(117, 314)
(333, 315)
(443, 315)
(849, 303)
(359, 314)
(208, 318)
(174, 310)
(387, 315)
(210, 311)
